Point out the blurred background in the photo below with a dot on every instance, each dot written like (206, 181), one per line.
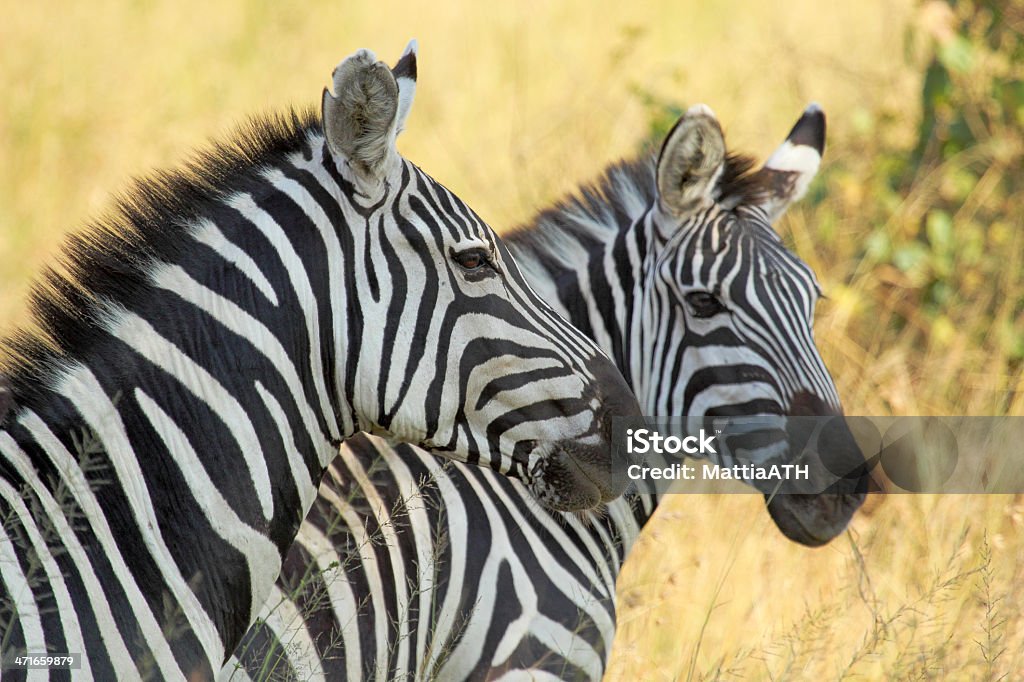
(914, 227)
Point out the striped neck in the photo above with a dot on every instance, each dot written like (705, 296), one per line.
(587, 256)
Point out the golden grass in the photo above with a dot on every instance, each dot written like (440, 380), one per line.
(518, 102)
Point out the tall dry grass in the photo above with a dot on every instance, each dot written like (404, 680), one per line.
(518, 102)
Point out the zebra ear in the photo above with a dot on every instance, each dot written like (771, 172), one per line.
(787, 173)
(360, 117)
(690, 162)
(404, 72)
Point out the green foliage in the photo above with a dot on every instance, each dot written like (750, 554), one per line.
(945, 213)
(662, 114)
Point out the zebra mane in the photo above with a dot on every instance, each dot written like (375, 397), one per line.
(625, 190)
(106, 264)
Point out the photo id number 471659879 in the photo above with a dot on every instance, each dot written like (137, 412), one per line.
(46, 661)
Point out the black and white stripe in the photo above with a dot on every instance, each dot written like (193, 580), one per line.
(212, 344)
(410, 568)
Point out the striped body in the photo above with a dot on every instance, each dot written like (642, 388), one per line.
(214, 343)
(410, 569)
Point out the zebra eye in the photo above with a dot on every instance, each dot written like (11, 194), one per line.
(470, 259)
(704, 304)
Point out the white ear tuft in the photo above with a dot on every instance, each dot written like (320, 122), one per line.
(701, 109)
(789, 170)
(404, 72)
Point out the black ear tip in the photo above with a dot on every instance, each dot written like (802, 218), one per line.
(810, 129)
(406, 67)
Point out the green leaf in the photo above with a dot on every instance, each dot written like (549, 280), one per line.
(957, 54)
(908, 257)
(939, 228)
(878, 246)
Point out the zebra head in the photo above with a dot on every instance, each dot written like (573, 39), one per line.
(731, 310)
(455, 351)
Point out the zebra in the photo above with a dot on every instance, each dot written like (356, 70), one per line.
(210, 345)
(408, 568)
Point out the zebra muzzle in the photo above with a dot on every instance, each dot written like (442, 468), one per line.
(838, 477)
(577, 477)
(586, 472)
